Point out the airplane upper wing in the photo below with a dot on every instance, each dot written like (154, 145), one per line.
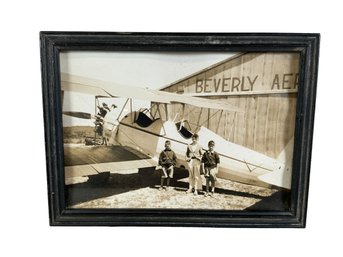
(84, 88)
(92, 86)
(101, 88)
(197, 101)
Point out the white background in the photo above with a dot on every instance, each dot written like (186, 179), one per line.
(24, 225)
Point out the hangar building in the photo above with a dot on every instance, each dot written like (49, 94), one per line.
(263, 85)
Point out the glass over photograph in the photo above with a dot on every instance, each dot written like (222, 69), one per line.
(181, 130)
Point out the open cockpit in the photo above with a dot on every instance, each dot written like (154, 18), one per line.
(184, 129)
(144, 118)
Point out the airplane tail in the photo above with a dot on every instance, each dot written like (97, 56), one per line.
(283, 177)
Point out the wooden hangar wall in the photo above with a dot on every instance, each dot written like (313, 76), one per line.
(263, 85)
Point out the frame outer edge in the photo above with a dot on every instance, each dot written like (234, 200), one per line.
(52, 42)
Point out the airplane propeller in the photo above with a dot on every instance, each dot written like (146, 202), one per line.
(80, 115)
(84, 115)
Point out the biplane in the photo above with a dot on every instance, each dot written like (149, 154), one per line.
(142, 133)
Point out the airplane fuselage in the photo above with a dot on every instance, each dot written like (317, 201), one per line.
(236, 162)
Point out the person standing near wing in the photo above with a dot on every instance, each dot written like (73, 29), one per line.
(193, 158)
(102, 110)
(99, 122)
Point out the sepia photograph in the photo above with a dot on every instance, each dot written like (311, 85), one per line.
(178, 130)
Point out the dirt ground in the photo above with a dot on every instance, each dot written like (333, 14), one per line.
(132, 189)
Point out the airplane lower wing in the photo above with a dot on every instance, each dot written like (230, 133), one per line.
(81, 161)
(112, 167)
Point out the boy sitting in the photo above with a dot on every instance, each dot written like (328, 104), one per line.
(167, 161)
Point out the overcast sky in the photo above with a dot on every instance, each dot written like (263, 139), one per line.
(153, 70)
(137, 69)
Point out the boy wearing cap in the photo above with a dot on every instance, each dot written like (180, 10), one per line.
(210, 160)
(167, 160)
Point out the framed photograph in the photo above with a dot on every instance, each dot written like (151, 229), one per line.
(178, 129)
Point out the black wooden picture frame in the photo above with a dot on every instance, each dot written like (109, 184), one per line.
(52, 43)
